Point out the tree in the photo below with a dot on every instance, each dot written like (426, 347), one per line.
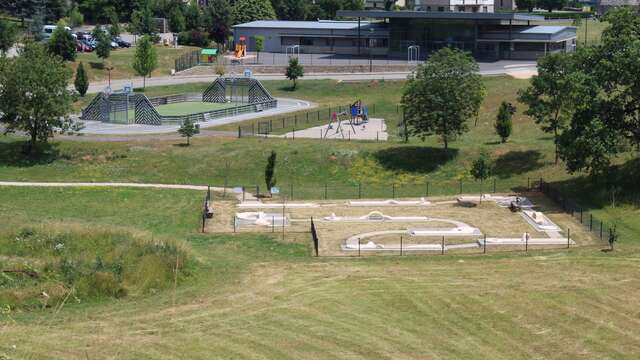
(290, 9)
(442, 95)
(103, 44)
(37, 17)
(605, 97)
(62, 44)
(549, 95)
(177, 22)
(188, 129)
(219, 19)
(259, 45)
(294, 71)
(193, 16)
(269, 171)
(504, 123)
(330, 7)
(551, 5)
(251, 10)
(81, 83)
(75, 16)
(142, 19)
(114, 28)
(481, 169)
(145, 59)
(8, 35)
(33, 93)
(526, 4)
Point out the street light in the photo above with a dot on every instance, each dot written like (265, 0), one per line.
(109, 68)
(371, 43)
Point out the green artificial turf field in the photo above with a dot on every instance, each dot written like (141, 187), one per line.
(191, 107)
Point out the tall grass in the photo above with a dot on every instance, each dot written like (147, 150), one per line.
(46, 265)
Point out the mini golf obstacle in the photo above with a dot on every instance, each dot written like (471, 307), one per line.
(235, 95)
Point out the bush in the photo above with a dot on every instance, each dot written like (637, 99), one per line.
(194, 38)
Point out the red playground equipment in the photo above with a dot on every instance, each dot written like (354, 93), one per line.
(241, 48)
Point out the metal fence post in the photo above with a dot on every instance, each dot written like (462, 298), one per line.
(494, 185)
(568, 237)
(426, 194)
(393, 191)
(600, 229)
(442, 246)
(258, 191)
(590, 222)
(359, 190)
(460, 186)
(325, 191)
(484, 248)
(400, 245)
(580, 215)
(291, 192)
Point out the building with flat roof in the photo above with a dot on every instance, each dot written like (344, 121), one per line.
(488, 36)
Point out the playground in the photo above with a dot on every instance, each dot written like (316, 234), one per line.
(460, 224)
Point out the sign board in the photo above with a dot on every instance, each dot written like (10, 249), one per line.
(237, 190)
(128, 89)
(275, 190)
(247, 73)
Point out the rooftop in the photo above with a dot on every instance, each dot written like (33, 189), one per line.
(321, 24)
(450, 15)
(543, 29)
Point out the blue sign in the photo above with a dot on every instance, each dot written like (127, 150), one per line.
(275, 190)
(247, 73)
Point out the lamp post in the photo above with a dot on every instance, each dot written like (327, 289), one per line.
(109, 68)
(371, 43)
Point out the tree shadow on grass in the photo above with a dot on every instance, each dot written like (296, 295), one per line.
(96, 65)
(15, 154)
(517, 162)
(288, 88)
(414, 159)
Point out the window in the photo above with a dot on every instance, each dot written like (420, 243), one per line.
(428, 8)
(441, 8)
(460, 8)
(306, 41)
(485, 9)
(502, 3)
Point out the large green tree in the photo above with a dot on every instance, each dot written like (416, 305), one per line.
(63, 44)
(218, 20)
(145, 59)
(606, 119)
(177, 21)
(550, 97)
(442, 95)
(33, 93)
(251, 10)
(291, 9)
(103, 44)
(8, 35)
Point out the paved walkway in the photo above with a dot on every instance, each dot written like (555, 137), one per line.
(493, 68)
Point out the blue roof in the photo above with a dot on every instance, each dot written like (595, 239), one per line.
(322, 24)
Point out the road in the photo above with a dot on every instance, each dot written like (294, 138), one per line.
(488, 69)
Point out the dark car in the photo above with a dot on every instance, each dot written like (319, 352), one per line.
(85, 46)
(121, 43)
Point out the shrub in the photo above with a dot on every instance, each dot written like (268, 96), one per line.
(193, 38)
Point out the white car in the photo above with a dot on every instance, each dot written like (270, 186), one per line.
(48, 30)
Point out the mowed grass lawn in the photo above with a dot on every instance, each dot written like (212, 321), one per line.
(258, 297)
(122, 62)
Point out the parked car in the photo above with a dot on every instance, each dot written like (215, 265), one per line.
(48, 30)
(85, 46)
(114, 45)
(121, 43)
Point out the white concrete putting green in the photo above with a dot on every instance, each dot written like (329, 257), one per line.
(260, 219)
(539, 221)
(390, 202)
(261, 205)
